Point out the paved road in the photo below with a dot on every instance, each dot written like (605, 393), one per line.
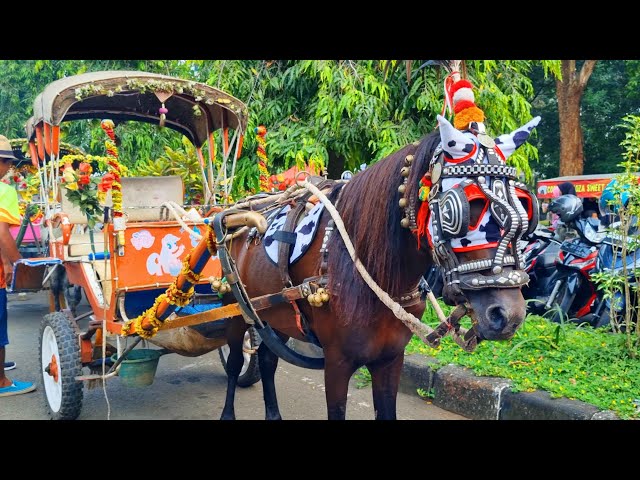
(184, 388)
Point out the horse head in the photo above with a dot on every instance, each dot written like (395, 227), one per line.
(472, 209)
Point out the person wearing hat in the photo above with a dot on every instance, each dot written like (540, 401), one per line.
(9, 254)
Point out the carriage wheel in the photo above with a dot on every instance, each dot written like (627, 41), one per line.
(250, 372)
(60, 363)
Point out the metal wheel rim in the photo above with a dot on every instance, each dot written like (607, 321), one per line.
(246, 346)
(52, 388)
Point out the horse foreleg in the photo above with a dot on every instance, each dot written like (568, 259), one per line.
(385, 380)
(235, 339)
(268, 362)
(336, 379)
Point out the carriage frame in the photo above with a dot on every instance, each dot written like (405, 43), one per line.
(124, 267)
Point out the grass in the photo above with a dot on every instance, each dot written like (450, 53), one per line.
(565, 360)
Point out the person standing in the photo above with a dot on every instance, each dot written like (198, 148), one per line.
(9, 254)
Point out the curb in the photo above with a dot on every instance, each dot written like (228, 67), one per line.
(459, 390)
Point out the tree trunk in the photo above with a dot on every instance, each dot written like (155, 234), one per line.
(569, 92)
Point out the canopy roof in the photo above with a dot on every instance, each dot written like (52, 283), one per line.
(194, 109)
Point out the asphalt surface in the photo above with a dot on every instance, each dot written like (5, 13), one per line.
(184, 388)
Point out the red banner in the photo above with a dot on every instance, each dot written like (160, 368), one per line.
(584, 188)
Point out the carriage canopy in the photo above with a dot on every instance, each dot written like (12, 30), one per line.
(140, 96)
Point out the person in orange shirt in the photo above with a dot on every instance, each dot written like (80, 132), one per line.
(9, 254)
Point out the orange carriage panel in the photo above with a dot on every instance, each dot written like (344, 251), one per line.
(154, 253)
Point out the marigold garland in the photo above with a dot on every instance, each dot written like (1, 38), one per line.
(173, 296)
(114, 167)
(211, 242)
(189, 274)
(261, 132)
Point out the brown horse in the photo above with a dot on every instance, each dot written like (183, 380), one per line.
(354, 328)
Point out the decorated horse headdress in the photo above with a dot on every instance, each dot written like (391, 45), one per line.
(468, 169)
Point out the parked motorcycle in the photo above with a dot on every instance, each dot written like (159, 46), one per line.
(574, 295)
(610, 260)
(540, 256)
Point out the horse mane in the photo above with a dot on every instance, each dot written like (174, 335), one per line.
(368, 206)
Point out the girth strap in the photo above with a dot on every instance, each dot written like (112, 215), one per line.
(287, 238)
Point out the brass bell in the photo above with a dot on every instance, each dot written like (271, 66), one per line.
(402, 202)
(404, 171)
(408, 159)
(402, 188)
(216, 284)
(324, 297)
(404, 222)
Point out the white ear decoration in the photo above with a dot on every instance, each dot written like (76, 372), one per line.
(454, 142)
(509, 142)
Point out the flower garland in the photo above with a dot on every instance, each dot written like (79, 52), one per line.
(261, 132)
(112, 179)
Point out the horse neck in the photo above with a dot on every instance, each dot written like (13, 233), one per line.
(388, 251)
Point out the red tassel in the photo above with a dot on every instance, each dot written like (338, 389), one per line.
(422, 221)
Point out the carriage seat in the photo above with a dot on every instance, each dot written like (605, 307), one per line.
(142, 198)
(80, 244)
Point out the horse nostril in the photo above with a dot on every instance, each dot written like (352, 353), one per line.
(497, 317)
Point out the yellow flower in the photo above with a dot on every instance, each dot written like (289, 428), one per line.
(71, 186)
(68, 175)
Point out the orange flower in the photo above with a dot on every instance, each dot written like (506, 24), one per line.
(83, 180)
(85, 168)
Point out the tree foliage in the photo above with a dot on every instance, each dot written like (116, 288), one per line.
(337, 113)
(611, 94)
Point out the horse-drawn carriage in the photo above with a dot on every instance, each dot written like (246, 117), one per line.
(337, 264)
(142, 241)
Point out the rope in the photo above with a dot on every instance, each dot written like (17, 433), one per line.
(178, 212)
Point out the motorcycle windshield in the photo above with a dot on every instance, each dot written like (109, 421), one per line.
(591, 230)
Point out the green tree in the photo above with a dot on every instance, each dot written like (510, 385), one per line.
(611, 94)
(339, 113)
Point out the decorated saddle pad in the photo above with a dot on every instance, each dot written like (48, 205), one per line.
(304, 232)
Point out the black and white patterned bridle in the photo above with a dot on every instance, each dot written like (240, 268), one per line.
(450, 218)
